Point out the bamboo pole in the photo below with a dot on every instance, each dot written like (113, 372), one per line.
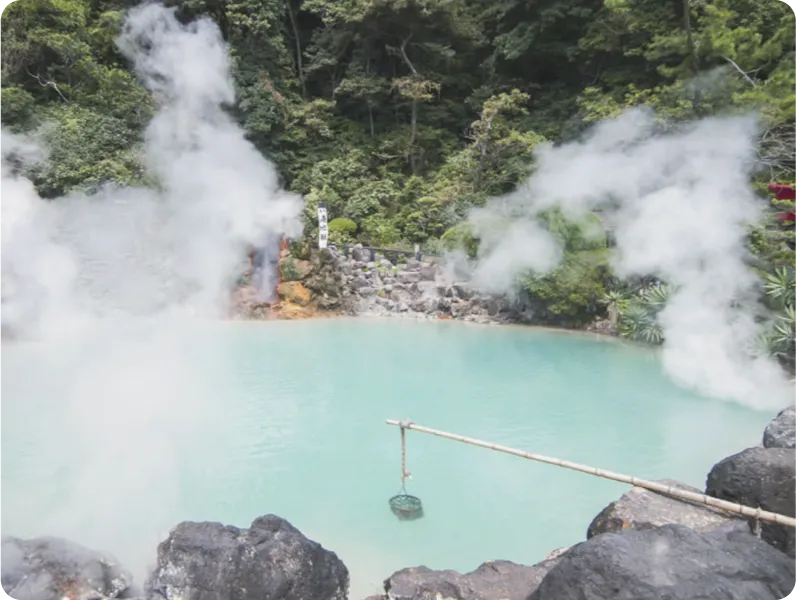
(756, 513)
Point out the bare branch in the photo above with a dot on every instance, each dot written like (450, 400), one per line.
(740, 70)
(403, 53)
(43, 83)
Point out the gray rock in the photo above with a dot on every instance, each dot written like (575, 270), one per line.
(387, 287)
(53, 568)
(444, 304)
(371, 265)
(427, 288)
(357, 253)
(403, 307)
(781, 431)
(672, 562)
(428, 273)
(386, 303)
(640, 508)
(495, 306)
(761, 477)
(412, 264)
(495, 580)
(463, 291)
(359, 282)
(328, 302)
(406, 277)
(385, 263)
(271, 559)
(459, 308)
(423, 305)
(366, 291)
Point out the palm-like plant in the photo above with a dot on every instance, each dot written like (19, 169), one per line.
(780, 286)
(639, 323)
(638, 317)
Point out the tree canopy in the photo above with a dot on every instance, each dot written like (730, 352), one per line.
(401, 115)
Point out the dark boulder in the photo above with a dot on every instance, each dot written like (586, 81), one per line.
(781, 431)
(672, 562)
(495, 580)
(640, 508)
(760, 477)
(54, 568)
(272, 559)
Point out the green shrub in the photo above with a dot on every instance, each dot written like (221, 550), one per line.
(342, 230)
(571, 294)
(460, 237)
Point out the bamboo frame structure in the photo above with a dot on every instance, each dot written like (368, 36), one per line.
(747, 511)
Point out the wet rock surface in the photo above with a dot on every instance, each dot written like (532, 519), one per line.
(760, 477)
(54, 569)
(672, 562)
(781, 431)
(272, 559)
(642, 509)
(494, 580)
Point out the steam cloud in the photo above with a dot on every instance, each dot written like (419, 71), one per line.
(681, 204)
(114, 275)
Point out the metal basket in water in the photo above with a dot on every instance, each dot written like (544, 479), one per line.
(406, 507)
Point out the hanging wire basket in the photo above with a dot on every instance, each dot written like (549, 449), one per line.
(406, 507)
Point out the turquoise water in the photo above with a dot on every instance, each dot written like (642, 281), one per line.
(111, 440)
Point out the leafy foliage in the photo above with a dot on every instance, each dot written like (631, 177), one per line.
(571, 294)
(401, 115)
(638, 315)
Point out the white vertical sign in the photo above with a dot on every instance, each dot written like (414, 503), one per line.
(323, 228)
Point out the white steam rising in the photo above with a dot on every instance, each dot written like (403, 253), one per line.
(139, 251)
(109, 280)
(681, 204)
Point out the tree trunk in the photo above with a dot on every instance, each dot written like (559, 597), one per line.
(694, 58)
(412, 138)
(370, 119)
(299, 62)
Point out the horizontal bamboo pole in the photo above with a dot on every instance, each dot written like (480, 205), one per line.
(756, 513)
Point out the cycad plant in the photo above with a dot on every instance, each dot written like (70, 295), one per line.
(779, 340)
(780, 287)
(638, 316)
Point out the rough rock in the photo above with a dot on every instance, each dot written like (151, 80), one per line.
(295, 292)
(761, 477)
(54, 569)
(352, 284)
(408, 277)
(781, 431)
(494, 580)
(428, 273)
(640, 508)
(672, 562)
(271, 559)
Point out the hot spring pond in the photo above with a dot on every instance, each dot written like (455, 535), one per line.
(110, 440)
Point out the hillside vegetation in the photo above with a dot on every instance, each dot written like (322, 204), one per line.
(401, 115)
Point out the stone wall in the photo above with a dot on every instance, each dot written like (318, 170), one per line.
(328, 282)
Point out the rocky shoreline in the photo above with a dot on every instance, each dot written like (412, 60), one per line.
(643, 546)
(318, 283)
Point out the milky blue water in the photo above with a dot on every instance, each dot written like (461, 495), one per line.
(229, 421)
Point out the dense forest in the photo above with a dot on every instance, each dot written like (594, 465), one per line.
(401, 115)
